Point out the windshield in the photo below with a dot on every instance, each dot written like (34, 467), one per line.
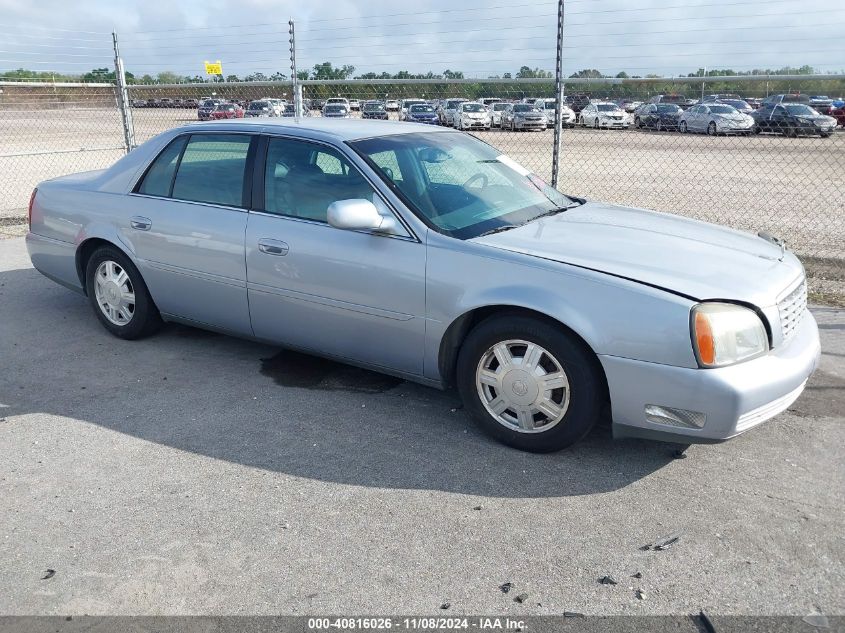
(259, 105)
(458, 184)
(289, 108)
(673, 99)
(524, 107)
(373, 107)
(722, 109)
(335, 108)
(421, 108)
(451, 105)
(800, 110)
(607, 107)
(665, 107)
(498, 107)
(473, 107)
(737, 103)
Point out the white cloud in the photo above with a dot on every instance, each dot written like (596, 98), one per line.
(669, 37)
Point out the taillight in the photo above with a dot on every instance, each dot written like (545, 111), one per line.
(31, 203)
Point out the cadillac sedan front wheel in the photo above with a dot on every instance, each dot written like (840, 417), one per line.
(529, 384)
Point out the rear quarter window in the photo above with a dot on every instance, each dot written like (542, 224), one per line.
(159, 177)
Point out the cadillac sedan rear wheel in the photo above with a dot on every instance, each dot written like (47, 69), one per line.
(119, 295)
(529, 384)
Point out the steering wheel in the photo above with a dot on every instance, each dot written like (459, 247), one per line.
(478, 176)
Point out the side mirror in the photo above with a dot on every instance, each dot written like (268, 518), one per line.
(358, 214)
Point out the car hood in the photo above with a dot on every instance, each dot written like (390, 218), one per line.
(688, 257)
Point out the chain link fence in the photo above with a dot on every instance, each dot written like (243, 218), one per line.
(49, 130)
(786, 182)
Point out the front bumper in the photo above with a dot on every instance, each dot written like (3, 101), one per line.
(618, 124)
(471, 124)
(726, 128)
(733, 399)
(529, 125)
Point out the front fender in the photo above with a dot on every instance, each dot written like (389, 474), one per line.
(614, 316)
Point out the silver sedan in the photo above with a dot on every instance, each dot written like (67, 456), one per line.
(715, 118)
(428, 254)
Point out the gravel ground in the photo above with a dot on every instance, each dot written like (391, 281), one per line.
(194, 473)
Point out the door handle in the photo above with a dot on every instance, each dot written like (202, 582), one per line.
(273, 247)
(140, 223)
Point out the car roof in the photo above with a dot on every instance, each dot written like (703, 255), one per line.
(315, 127)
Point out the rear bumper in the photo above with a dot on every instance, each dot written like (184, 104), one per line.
(54, 259)
(733, 399)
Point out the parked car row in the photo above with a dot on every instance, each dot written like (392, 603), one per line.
(165, 103)
(714, 114)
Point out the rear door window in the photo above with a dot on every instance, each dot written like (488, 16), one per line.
(213, 169)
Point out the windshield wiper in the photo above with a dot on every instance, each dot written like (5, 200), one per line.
(499, 229)
(507, 227)
(555, 211)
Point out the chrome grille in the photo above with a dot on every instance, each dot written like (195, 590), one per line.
(791, 309)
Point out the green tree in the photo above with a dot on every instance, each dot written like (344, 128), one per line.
(587, 73)
(168, 77)
(327, 71)
(527, 73)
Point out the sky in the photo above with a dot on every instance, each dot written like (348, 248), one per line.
(479, 38)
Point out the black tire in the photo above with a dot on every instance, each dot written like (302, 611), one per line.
(682, 127)
(145, 319)
(658, 127)
(824, 134)
(711, 129)
(596, 123)
(638, 123)
(586, 393)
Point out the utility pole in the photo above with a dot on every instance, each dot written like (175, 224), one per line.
(558, 95)
(297, 89)
(123, 99)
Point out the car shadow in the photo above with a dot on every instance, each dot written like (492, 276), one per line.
(254, 405)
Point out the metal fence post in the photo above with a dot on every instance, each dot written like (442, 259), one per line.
(123, 99)
(297, 89)
(558, 95)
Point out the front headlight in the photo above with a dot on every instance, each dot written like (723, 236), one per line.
(724, 334)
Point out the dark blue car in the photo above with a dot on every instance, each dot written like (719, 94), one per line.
(421, 113)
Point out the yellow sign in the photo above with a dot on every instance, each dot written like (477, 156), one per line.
(215, 68)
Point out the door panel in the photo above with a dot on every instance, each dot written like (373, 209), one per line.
(192, 259)
(191, 250)
(350, 294)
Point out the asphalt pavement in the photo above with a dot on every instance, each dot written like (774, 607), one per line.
(192, 473)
